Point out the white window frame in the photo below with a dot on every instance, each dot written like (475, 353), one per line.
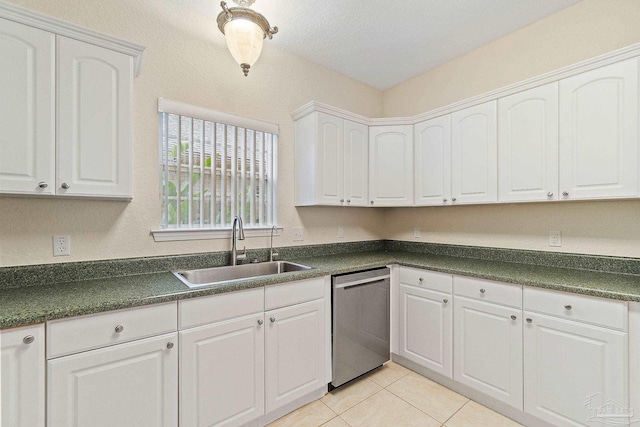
(223, 230)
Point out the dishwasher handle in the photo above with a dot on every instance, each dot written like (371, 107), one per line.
(361, 282)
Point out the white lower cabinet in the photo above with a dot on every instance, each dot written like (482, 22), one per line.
(222, 373)
(294, 352)
(488, 348)
(131, 384)
(22, 377)
(426, 319)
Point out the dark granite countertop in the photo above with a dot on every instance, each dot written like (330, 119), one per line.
(36, 303)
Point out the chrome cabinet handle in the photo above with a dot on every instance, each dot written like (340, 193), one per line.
(568, 307)
(260, 321)
(169, 345)
(119, 329)
(482, 290)
(444, 200)
(43, 184)
(65, 186)
(529, 320)
(273, 320)
(28, 339)
(348, 200)
(549, 194)
(453, 199)
(372, 202)
(445, 300)
(565, 193)
(341, 200)
(420, 279)
(513, 317)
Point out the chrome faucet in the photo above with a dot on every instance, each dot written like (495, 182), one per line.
(271, 253)
(237, 223)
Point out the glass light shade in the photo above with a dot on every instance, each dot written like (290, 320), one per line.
(244, 40)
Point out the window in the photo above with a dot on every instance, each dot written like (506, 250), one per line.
(214, 166)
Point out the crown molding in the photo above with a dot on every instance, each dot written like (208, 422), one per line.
(74, 31)
(629, 52)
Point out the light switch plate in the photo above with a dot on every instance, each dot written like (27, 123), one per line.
(555, 238)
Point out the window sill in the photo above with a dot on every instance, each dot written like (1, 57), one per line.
(177, 234)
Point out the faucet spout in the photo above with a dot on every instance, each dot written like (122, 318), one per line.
(237, 233)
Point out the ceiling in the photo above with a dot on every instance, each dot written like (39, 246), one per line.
(385, 43)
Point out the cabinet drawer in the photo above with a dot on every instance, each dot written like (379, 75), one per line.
(84, 333)
(441, 282)
(486, 290)
(582, 308)
(294, 293)
(200, 311)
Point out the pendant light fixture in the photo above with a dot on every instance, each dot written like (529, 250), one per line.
(245, 30)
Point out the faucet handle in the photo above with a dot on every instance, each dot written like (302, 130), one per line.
(243, 255)
(273, 254)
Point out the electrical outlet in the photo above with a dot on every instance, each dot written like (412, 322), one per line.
(416, 232)
(555, 238)
(297, 234)
(61, 245)
(340, 232)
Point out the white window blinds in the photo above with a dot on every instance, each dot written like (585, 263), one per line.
(214, 166)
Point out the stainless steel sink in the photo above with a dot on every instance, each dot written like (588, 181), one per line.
(223, 275)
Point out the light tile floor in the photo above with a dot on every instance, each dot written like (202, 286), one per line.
(393, 396)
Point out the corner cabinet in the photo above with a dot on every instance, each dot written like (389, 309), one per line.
(65, 109)
(22, 377)
(391, 165)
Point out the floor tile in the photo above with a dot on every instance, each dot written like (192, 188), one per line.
(336, 422)
(347, 396)
(430, 397)
(384, 409)
(312, 415)
(476, 415)
(389, 373)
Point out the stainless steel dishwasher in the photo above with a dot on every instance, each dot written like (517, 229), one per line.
(360, 327)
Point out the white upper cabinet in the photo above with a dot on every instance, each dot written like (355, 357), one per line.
(65, 108)
(474, 154)
(433, 162)
(599, 133)
(27, 109)
(331, 161)
(391, 165)
(94, 120)
(528, 145)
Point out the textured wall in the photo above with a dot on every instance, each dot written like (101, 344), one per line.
(185, 60)
(590, 28)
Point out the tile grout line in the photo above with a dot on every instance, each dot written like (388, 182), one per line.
(459, 409)
(411, 404)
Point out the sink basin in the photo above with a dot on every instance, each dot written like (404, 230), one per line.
(223, 275)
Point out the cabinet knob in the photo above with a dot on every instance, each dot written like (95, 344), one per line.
(341, 200)
(483, 290)
(372, 202)
(28, 339)
(169, 345)
(348, 200)
(444, 200)
(549, 194)
(420, 279)
(272, 319)
(529, 320)
(453, 199)
(445, 300)
(565, 193)
(119, 329)
(260, 321)
(568, 307)
(43, 184)
(65, 186)
(513, 317)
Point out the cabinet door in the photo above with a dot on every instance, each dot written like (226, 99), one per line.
(575, 374)
(426, 323)
(295, 353)
(474, 154)
(22, 376)
(488, 349)
(222, 373)
(330, 160)
(528, 145)
(132, 384)
(27, 110)
(356, 162)
(433, 162)
(599, 133)
(391, 166)
(94, 120)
